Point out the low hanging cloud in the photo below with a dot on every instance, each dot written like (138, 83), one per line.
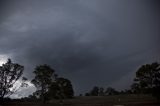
(90, 42)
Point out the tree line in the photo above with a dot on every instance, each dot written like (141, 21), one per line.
(147, 81)
(49, 85)
(100, 91)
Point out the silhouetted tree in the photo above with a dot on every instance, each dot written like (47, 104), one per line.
(61, 89)
(65, 87)
(95, 91)
(10, 73)
(135, 88)
(101, 91)
(111, 91)
(148, 79)
(44, 76)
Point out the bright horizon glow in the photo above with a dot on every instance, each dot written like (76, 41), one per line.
(23, 92)
(3, 59)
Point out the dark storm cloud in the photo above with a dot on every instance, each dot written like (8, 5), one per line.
(90, 42)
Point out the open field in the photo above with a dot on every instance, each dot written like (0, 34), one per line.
(119, 100)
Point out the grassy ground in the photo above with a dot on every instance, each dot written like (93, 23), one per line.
(119, 100)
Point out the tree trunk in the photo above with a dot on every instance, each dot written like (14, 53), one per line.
(43, 99)
(1, 100)
(43, 95)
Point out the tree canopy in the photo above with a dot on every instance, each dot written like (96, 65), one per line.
(44, 76)
(61, 88)
(148, 79)
(10, 73)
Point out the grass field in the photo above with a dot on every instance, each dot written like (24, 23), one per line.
(119, 100)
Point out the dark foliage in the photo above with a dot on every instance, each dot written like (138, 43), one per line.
(94, 91)
(111, 91)
(49, 85)
(61, 89)
(148, 80)
(44, 76)
(10, 73)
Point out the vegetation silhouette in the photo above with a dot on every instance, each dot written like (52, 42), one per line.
(10, 73)
(100, 91)
(61, 89)
(147, 80)
(51, 87)
(44, 76)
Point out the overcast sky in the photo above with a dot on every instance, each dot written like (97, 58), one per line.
(90, 42)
